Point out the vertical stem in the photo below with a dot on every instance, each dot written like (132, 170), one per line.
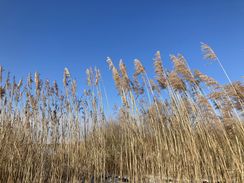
(222, 67)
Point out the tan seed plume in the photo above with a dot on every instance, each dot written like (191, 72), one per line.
(98, 76)
(139, 69)
(125, 81)
(208, 52)
(66, 76)
(181, 67)
(206, 79)
(176, 82)
(37, 80)
(158, 67)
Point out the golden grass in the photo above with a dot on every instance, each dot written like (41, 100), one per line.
(185, 127)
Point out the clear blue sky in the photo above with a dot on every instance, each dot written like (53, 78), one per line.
(48, 35)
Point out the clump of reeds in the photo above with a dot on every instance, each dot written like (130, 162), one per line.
(177, 126)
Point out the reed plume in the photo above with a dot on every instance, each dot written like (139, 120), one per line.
(181, 68)
(124, 81)
(55, 87)
(29, 80)
(206, 79)
(154, 85)
(136, 86)
(236, 92)
(66, 76)
(98, 76)
(206, 107)
(208, 52)
(160, 75)
(74, 87)
(37, 81)
(236, 89)
(176, 82)
(139, 69)
(110, 63)
(89, 76)
(116, 75)
(20, 83)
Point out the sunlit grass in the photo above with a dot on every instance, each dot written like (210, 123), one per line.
(180, 125)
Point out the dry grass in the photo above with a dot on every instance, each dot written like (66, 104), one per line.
(185, 127)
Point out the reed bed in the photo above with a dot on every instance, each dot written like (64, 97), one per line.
(180, 126)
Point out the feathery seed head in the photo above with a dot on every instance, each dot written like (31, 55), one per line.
(66, 72)
(138, 67)
(235, 89)
(123, 68)
(136, 86)
(37, 80)
(110, 63)
(204, 104)
(66, 76)
(98, 76)
(74, 87)
(55, 86)
(158, 56)
(88, 75)
(206, 79)
(208, 52)
(215, 95)
(29, 80)
(176, 82)
(20, 84)
(181, 67)
(116, 78)
(125, 81)
(7, 83)
(154, 85)
(158, 67)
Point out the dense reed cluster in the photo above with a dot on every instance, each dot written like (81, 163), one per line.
(179, 126)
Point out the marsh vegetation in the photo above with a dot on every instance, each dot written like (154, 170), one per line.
(181, 125)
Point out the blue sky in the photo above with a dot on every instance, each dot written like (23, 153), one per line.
(48, 35)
